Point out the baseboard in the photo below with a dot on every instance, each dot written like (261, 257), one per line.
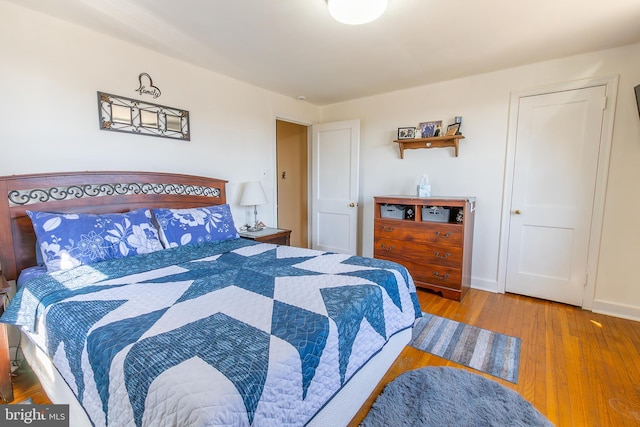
(485, 285)
(609, 308)
(615, 309)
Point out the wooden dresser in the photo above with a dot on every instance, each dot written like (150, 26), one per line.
(432, 237)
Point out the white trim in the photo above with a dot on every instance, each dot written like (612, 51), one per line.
(611, 87)
(309, 178)
(485, 285)
(624, 311)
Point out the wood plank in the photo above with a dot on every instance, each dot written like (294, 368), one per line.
(25, 385)
(575, 371)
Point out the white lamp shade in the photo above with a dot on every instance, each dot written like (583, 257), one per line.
(356, 12)
(253, 194)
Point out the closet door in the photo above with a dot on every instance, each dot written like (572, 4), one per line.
(558, 139)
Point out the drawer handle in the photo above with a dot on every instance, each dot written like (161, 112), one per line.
(438, 276)
(386, 248)
(444, 236)
(445, 256)
(385, 228)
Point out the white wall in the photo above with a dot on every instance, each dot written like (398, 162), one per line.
(50, 72)
(483, 101)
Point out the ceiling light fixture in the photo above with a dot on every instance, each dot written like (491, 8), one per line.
(356, 12)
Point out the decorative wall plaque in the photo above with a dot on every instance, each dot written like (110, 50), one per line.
(146, 86)
(121, 114)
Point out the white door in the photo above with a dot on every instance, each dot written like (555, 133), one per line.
(335, 154)
(556, 159)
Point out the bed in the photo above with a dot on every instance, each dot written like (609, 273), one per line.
(164, 316)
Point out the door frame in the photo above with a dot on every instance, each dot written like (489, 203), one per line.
(611, 87)
(308, 169)
(308, 125)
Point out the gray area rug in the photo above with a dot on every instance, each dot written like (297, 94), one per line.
(490, 352)
(443, 396)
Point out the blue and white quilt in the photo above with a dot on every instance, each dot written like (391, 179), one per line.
(227, 333)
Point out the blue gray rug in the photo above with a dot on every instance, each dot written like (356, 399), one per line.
(490, 352)
(443, 396)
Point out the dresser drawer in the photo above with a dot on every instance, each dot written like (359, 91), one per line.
(449, 256)
(435, 274)
(439, 275)
(422, 232)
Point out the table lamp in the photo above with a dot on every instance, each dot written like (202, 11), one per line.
(253, 194)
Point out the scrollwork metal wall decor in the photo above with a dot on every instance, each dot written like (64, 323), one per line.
(121, 114)
(147, 89)
(42, 195)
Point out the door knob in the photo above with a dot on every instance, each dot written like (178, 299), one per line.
(351, 205)
(517, 212)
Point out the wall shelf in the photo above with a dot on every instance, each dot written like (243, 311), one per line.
(435, 142)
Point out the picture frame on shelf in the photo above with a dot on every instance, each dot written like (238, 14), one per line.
(430, 129)
(453, 129)
(406, 133)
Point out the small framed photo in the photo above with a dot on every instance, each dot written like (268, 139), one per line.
(453, 129)
(431, 129)
(406, 133)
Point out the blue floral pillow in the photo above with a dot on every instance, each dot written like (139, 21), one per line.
(179, 227)
(70, 240)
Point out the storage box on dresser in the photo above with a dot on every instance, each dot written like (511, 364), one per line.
(437, 254)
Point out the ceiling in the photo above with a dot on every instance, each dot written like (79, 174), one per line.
(295, 48)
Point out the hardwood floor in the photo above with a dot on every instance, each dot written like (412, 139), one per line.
(576, 367)
(25, 385)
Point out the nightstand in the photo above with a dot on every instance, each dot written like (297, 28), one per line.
(6, 390)
(277, 236)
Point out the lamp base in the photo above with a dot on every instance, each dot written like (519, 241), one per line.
(257, 226)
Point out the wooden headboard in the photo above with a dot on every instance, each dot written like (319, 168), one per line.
(89, 192)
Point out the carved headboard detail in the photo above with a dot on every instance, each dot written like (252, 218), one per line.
(89, 192)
